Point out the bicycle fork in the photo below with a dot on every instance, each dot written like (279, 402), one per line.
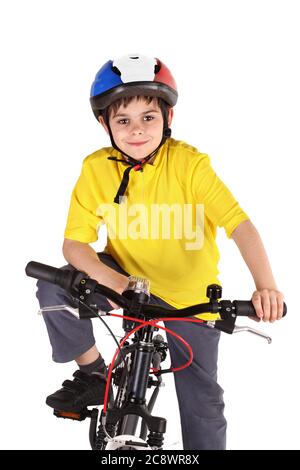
(135, 406)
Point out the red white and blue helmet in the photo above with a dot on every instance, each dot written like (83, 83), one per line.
(132, 75)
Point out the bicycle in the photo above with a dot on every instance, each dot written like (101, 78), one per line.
(136, 365)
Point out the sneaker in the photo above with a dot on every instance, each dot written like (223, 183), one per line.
(75, 395)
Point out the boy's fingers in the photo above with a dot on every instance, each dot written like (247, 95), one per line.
(273, 307)
(256, 300)
(255, 319)
(280, 306)
(266, 305)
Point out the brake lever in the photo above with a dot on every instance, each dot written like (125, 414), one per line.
(239, 329)
(56, 308)
(74, 311)
(228, 326)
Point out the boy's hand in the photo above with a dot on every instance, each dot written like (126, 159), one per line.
(117, 282)
(268, 304)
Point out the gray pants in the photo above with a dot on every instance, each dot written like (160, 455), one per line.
(199, 396)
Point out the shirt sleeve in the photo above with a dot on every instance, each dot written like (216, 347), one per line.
(83, 221)
(219, 204)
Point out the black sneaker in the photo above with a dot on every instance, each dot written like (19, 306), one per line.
(75, 395)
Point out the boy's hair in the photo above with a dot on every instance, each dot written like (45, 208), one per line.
(113, 108)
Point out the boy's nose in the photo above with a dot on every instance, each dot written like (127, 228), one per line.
(137, 132)
(137, 129)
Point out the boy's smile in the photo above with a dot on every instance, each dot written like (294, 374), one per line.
(137, 128)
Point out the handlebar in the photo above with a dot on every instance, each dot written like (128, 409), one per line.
(77, 282)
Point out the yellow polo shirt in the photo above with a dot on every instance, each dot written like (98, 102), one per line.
(165, 227)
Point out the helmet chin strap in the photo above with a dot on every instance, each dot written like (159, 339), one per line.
(136, 165)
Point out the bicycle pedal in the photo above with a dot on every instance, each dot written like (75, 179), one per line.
(74, 415)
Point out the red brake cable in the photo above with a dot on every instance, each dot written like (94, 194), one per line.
(143, 324)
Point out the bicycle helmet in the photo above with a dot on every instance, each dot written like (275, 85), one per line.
(132, 75)
(129, 76)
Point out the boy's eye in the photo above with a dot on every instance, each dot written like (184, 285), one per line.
(146, 118)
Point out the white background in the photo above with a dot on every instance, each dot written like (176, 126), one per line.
(237, 68)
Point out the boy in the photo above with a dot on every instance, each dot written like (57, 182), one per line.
(129, 187)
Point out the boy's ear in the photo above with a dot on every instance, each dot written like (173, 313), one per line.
(170, 117)
(103, 124)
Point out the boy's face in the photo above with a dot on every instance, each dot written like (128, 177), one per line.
(137, 129)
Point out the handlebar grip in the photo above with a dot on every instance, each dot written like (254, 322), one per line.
(63, 278)
(70, 281)
(41, 271)
(245, 308)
